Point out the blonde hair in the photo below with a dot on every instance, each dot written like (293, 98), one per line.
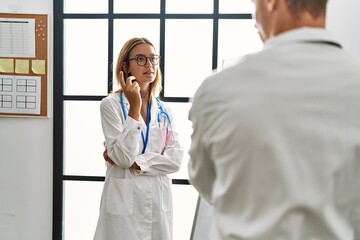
(155, 86)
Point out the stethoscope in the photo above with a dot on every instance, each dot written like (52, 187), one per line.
(161, 113)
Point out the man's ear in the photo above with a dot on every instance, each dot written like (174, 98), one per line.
(272, 5)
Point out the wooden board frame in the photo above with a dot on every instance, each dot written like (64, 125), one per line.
(41, 53)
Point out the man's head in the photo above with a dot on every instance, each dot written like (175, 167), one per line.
(277, 16)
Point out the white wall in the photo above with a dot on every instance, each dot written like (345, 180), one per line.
(26, 143)
(343, 21)
(26, 157)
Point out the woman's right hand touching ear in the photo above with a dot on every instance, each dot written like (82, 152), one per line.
(131, 91)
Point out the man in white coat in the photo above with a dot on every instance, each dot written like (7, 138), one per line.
(276, 141)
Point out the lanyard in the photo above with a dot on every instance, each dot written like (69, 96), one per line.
(146, 137)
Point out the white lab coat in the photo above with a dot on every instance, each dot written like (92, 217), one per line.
(137, 204)
(276, 142)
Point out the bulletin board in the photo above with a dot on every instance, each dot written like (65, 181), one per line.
(23, 65)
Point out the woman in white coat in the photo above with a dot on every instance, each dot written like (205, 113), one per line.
(144, 147)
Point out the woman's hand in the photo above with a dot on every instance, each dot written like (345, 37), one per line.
(131, 91)
(135, 166)
(106, 157)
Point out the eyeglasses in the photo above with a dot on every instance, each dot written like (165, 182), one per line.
(141, 60)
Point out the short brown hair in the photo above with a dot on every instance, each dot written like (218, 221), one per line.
(315, 7)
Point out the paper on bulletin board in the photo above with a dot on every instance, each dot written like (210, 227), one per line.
(20, 94)
(38, 66)
(17, 37)
(6, 65)
(22, 66)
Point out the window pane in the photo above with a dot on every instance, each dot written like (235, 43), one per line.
(189, 6)
(204, 218)
(137, 6)
(184, 201)
(82, 202)
(184, 128)
(237, 38)
(124, 29)
(81, 209)
(239, 6)
(83, 146)
(188, 55)
(85, 6)
(85, 56)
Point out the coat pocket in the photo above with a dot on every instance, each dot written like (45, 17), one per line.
(156, 141)
(166, 195)
(119, 197)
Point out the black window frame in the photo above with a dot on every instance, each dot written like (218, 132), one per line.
(60, 98)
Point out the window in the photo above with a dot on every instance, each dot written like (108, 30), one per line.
(192, 37)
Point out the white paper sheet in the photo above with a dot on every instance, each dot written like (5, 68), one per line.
(17, 37)
(20, 94)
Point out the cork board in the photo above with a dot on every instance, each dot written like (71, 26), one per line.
(23, 65)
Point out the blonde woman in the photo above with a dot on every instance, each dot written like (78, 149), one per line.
(142, 148)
